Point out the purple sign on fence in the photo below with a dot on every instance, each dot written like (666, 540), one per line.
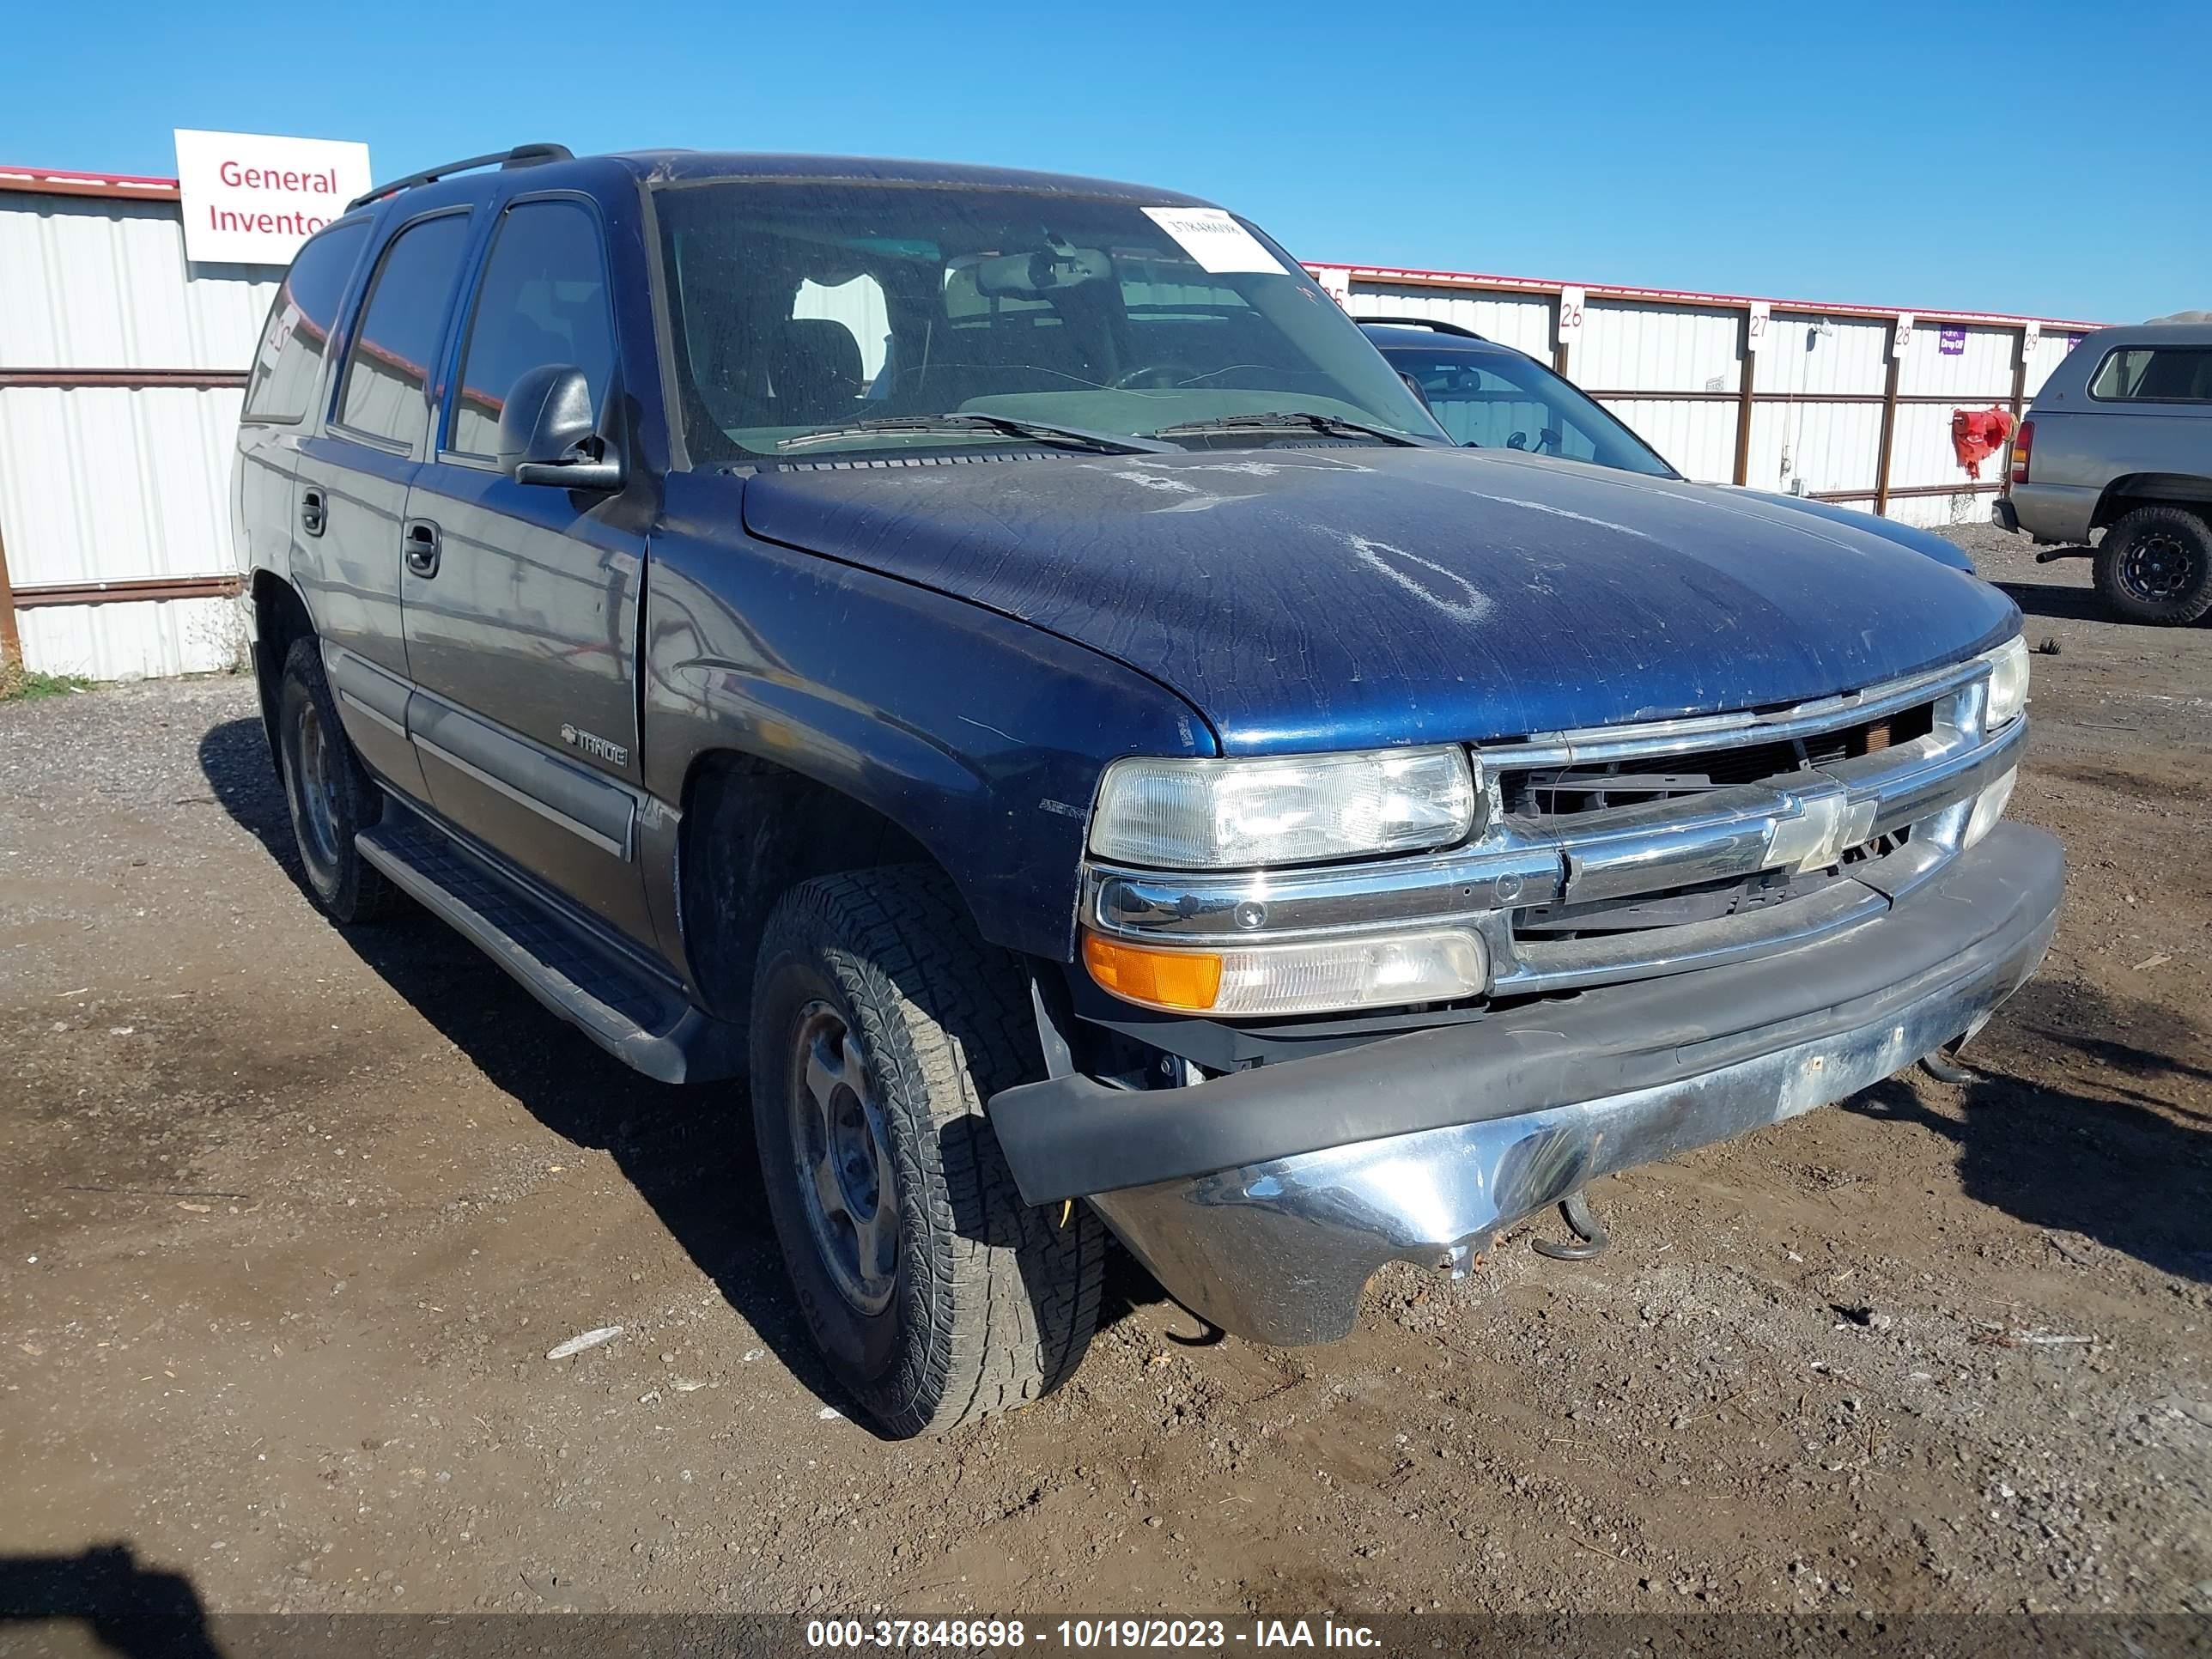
(1952, 342)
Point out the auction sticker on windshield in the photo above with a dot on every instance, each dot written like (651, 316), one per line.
(1216, 241)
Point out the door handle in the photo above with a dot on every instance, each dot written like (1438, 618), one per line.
(421, 541)
(312, 511)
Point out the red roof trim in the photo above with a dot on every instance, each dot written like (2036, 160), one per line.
(1681, 297)
(52, 181)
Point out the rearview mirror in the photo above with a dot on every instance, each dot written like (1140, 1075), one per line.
(1033, 275)
(547, 434)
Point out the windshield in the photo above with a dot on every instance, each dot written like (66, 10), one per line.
(1502, 400)
(799, 309)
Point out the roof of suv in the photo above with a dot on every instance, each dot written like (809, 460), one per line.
(551, 164)
(663, 166)
(1417, 336)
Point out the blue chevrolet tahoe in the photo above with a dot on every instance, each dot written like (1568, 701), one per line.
(998, 665)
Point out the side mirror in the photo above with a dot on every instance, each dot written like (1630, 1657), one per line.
(547, 434)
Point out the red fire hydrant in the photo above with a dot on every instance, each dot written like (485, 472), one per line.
(1978, 434)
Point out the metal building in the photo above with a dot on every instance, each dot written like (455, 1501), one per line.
(122, 366)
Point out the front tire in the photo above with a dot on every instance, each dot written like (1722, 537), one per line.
(881, 1023)
(329, 792)
(2155, 566)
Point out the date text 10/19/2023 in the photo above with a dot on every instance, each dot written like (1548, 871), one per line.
(989, 1635)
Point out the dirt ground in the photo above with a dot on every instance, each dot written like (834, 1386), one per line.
(292, 1217)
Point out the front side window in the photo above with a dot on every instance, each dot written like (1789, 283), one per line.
(542, 301)
(282, 382)
(802, 307)
(2170, 374)
(1502, 400)
(389, 364)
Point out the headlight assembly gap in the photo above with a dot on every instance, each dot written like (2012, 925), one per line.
(1241, 814)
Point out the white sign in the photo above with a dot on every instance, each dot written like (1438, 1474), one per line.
(1754, 333)
(2031, 336)
(1216, 241)
(250, 198)
(1572, 301)
(1902, 339)
(1335, 281)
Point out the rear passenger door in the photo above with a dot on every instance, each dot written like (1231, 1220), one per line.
(522, 634)
(353, 482)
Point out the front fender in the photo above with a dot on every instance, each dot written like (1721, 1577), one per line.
(980, 737)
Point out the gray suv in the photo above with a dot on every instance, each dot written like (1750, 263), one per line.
(2119, 440)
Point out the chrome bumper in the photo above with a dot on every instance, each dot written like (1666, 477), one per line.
(1279, 1248)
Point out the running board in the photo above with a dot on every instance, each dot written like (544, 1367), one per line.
(641, 1019)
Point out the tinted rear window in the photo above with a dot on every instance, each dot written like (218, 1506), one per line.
(2173, 374)
(389, 363)
(291, 357)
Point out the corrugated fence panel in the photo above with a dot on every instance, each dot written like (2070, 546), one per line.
(1523, 321)
(1803, 352)
(2051, 350)
(107, 483)
(1627, 347)
(1977, 371)
(139, 640)
(1934, 512)
(102, 284)
(1698, 438)
(1827, 446)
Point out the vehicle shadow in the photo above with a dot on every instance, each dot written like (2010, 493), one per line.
(2124, 1169)
(2056, 601)
(130, 1610)
(688, 1151)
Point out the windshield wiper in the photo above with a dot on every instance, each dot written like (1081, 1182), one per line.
(1289, 419)
(1004, 426)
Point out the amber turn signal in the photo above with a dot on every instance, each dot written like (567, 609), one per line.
(1162, 979)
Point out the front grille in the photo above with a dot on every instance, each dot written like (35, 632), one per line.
(1695, 901)
(1568, 792)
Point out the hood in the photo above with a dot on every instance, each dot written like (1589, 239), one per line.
(1335, 598)
(1924, 542)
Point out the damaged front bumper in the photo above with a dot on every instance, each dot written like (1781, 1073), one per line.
(1264, 1200)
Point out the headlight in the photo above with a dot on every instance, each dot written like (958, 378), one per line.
(1329, 976)
(1245, 814)
(2008, 682)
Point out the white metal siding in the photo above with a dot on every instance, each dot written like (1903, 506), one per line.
(139, 640)
(98, 284)
(1627, 347)
(1695, 437)
(118, 483)
(1523, 321)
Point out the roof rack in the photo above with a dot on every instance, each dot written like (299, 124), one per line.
(522, 156)
(1422, 322)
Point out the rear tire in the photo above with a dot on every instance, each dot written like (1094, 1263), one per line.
(329, 792)
(881, 1023)
(2155, 567)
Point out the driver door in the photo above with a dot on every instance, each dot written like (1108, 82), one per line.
(521, 600)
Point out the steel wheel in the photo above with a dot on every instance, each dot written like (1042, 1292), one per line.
(846, 1184)
(319, 786)
(2159, 567)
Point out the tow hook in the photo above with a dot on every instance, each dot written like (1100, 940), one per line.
(1582, 1221)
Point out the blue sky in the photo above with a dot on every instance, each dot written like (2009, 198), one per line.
(2019, 156)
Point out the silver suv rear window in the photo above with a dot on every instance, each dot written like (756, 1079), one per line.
(2170, 374)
